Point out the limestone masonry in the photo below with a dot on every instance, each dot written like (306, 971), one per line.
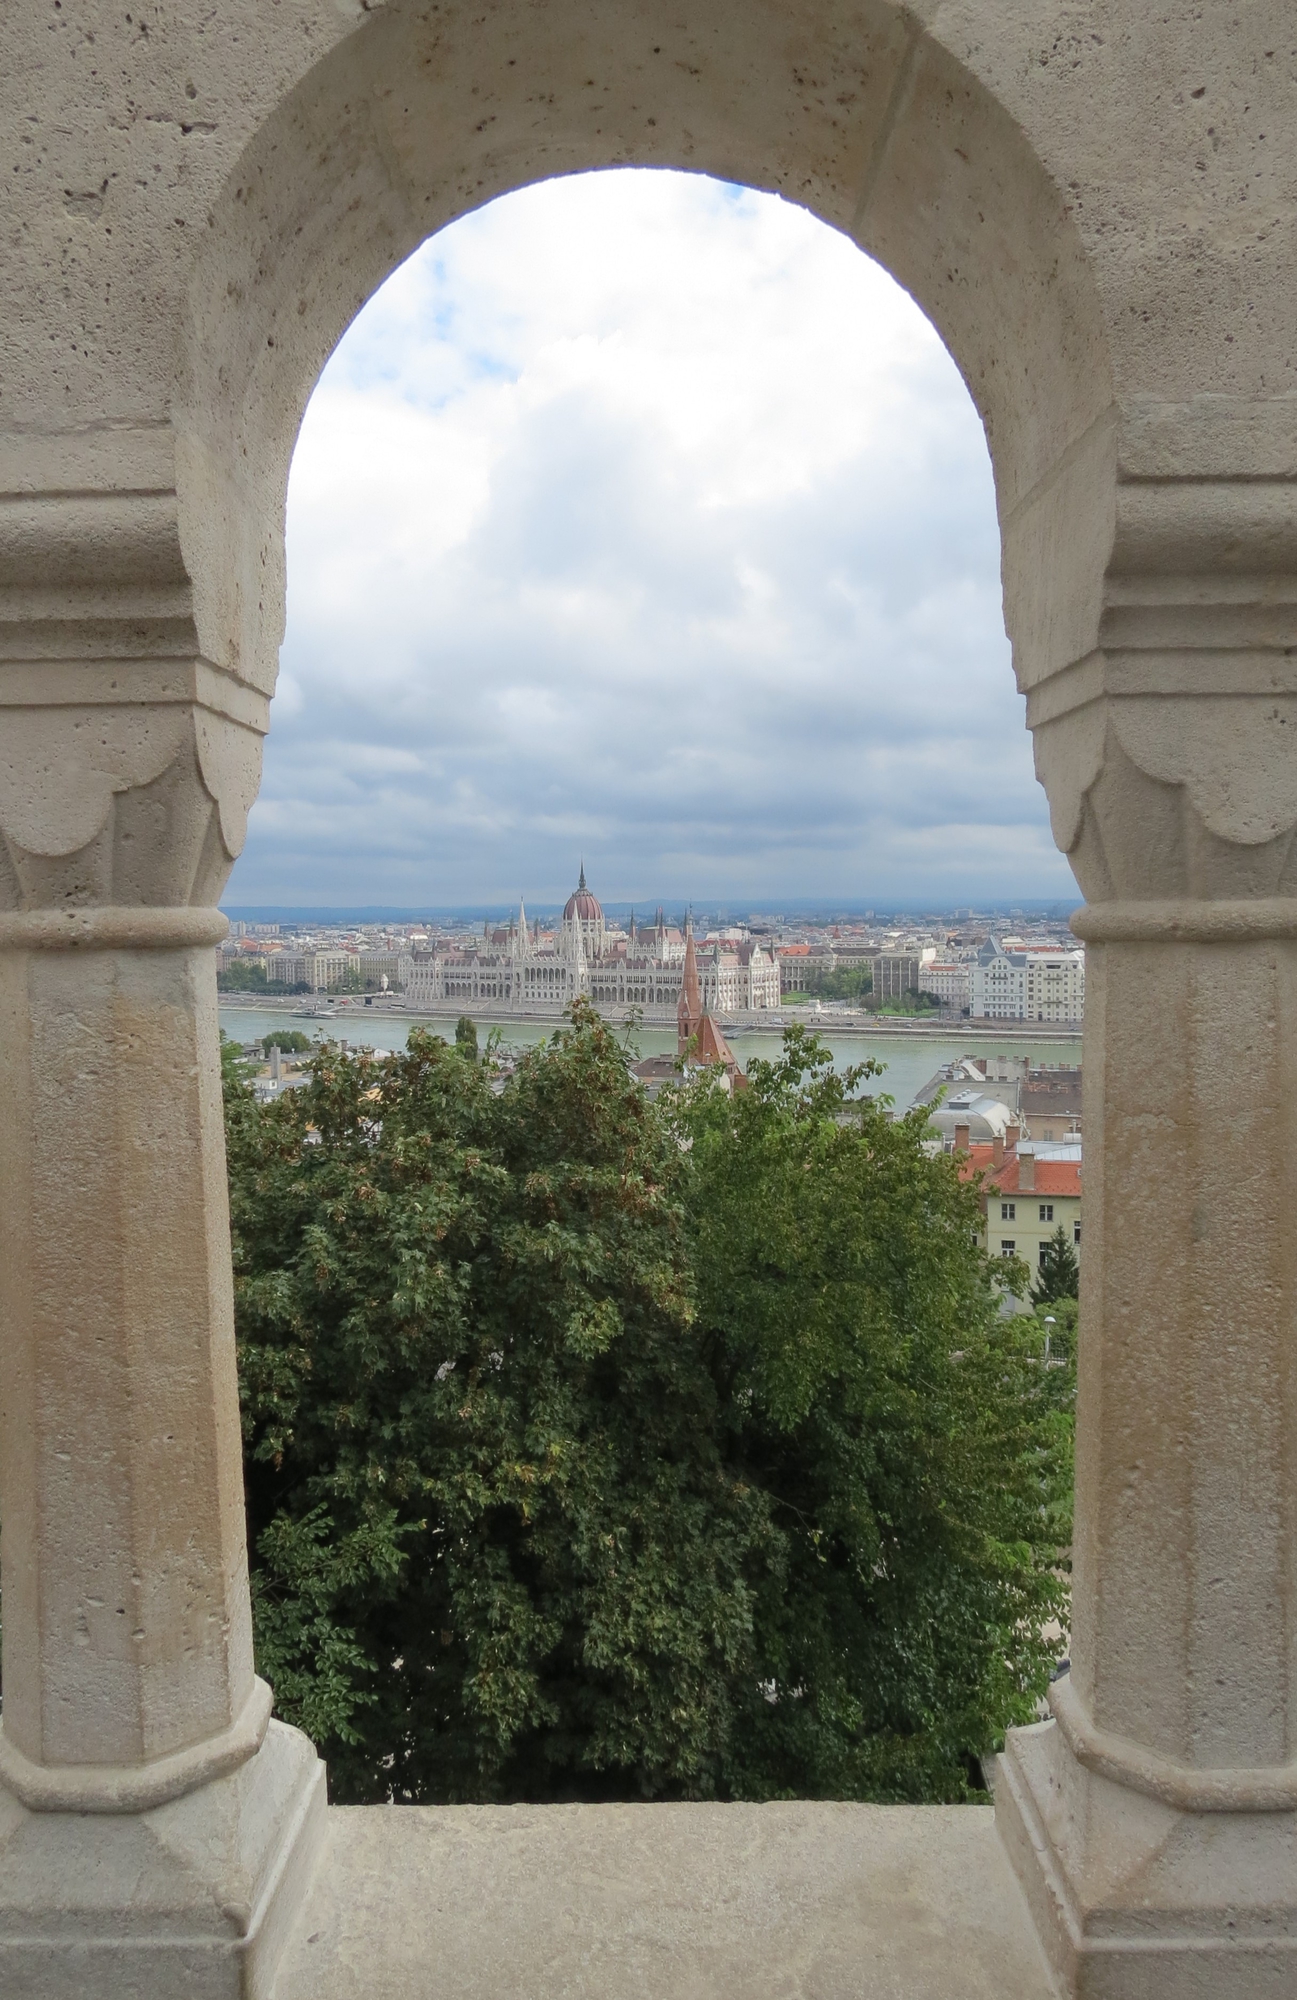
(1095, 201)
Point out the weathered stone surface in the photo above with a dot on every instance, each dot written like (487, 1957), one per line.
(191, 1900)
(1134, 1895)
(1097, 206)
(684, 1902)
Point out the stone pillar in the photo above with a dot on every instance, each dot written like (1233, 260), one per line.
(156, 1827)
(127, 1637)
(1153, 1821)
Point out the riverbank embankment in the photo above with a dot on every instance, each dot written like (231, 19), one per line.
(825, 1020)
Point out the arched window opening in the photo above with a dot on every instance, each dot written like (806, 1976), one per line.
(643, 518)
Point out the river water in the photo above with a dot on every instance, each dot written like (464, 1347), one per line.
(908, 1060)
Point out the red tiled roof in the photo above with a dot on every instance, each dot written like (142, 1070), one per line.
(1057, 1177)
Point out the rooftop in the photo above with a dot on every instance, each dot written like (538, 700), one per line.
(1053, 1175)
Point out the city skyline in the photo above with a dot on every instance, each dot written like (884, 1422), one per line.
(785, 910)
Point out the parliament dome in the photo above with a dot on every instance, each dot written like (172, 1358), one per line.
(582, 905)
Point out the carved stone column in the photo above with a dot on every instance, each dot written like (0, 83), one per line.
(1154, 1820)
(155, 1825)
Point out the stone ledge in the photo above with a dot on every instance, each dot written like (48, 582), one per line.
(664, 1902)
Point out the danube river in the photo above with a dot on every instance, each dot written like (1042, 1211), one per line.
(908, 1060)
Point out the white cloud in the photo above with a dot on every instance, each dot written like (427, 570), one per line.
(644, 517)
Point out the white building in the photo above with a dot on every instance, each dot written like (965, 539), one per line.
(394, 966)
(519, 970)
(1033, 983)
(317, 969)
(948, 981)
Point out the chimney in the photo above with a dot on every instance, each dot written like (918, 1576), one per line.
(1027, 1173)
(997, 1150)
(961, 1138)
(1011, 1137)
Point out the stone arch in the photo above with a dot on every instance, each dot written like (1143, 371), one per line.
(1093, 205)
(423, 113)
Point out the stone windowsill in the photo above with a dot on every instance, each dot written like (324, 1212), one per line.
(664, 1902)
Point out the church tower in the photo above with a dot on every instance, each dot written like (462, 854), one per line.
(521, 941)
(689, 1013)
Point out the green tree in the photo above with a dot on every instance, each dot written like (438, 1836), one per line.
(840, 982)
(910, 1003)
(497, 1550)
(466, 1037)
(1059, 1275)
(846, 982)
(289, 1042)
(1058, 1319)
(240, 975)
(914, 1453)
(599, 1448)
(350, 981)
(236, 1071)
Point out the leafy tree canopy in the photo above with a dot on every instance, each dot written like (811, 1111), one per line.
(915, 1457)
(289, 1041)
(240, 975)
(599, 1448)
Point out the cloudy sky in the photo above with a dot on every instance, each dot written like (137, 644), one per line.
(643, 519)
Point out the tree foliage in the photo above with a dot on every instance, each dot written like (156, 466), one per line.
(1059, 1274)
(240, 975)
(915, 1456)
(498, 1551)
(289, 1041)
(598, 1448)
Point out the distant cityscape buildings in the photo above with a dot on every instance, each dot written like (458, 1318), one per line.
(1027, 983)
(957, 968)
(520, 967)
(1014, 1127)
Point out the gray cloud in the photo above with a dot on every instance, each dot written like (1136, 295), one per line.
(644, 519)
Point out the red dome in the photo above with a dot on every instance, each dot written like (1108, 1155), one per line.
(582, 904)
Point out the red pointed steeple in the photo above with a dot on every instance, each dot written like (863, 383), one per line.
(689, 1013)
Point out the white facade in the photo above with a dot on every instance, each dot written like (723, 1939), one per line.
(1035, 984)
(317, 969)
(947, 981)
(545, 975)
(394, 966)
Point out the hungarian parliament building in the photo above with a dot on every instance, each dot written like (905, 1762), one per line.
(520, 969)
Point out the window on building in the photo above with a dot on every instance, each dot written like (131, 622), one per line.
(1047, 1211)
(1076, 1231)
(1008, 1211)
(1044, 1247)
(1008, 1248)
